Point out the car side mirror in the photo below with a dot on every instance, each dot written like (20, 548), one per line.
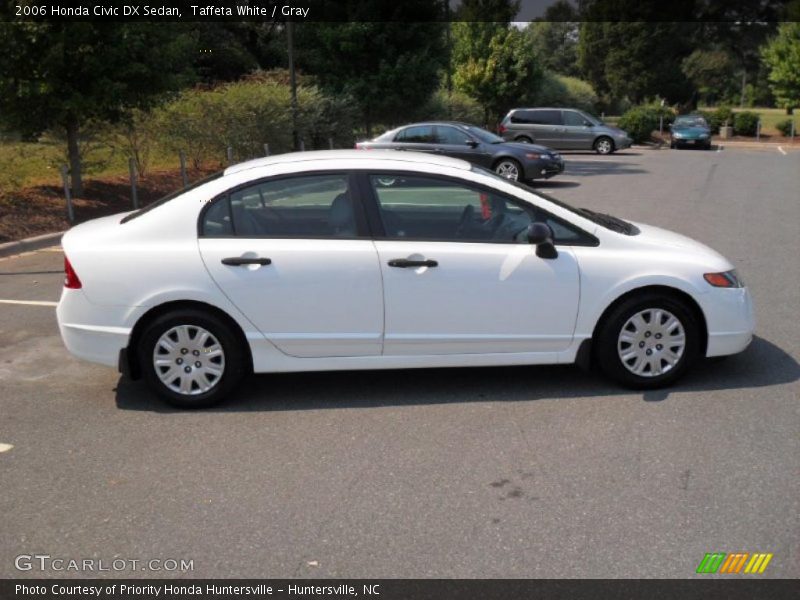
(587, 124)
(472, 143)
(541, 236)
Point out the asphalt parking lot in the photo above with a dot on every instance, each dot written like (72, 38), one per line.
(497, 472)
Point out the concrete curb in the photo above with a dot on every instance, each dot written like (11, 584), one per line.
(32, 243)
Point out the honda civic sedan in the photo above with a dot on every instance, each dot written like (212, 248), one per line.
(347, 260)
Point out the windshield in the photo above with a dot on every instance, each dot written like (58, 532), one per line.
(690, 122)
(171, 196)
(485, 136)
(608, 221)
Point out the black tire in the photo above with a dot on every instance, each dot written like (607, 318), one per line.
(604, 145)
(523, 139)
(234, 357)
(672, 145)
(609, 331)
(509, 163)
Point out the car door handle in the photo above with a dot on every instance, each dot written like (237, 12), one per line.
(238, 261)
(404, 263)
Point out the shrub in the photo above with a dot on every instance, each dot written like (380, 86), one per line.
(568, 92)
(745, 123)
(247, 114)
(785, 127)
(639, 122)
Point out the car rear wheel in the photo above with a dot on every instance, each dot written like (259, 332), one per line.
(523, 139)
(190, 358)
(604, 145)
(648, 341)
(509, 168)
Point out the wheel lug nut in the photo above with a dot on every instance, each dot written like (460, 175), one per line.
(641, 344)
(649, 352)
(197, 364)
(184, 351)
(659, 346)
(187, 369)
(179, 361)
(647, 334)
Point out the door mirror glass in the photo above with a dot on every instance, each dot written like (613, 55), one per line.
(472, 143)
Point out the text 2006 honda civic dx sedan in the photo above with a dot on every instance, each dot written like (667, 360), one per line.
(371, 260)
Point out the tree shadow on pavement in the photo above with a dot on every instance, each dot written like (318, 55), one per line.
(762, 364)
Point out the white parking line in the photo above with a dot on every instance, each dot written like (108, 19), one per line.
(29, 302)
(781, 150)
(5, 447)
(52, 249)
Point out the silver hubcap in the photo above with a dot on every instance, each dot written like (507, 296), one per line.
(508, 170)
(604, 146)
(189, 360)
(651, 342)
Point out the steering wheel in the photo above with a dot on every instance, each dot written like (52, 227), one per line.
(465, 221)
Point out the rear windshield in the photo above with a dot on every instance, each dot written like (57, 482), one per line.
(171, 196)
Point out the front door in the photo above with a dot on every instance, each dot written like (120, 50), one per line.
(458, 276)
(292, 254)
(579, 132)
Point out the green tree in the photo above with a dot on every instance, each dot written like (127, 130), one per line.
(713, 74)
(782, 56)
(555, 39)
(65, 74)
(389, 67)
(494, 64)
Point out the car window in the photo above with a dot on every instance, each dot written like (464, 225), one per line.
(573, 118)
(434, 209)
(691, 122)
(450, 135)
(537, 117)
(418, 134)
(310, 206)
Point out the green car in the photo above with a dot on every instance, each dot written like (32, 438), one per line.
(690, 130)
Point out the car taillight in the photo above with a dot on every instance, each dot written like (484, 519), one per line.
(71, 280)
(501, 129)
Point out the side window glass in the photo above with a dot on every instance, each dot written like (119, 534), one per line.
(310, 206)
(573, 119)
(217, 220)
(451, 136)
(427, 208)
(421, 134)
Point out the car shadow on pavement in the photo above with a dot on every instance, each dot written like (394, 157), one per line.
(762, 364)
(550, 184)
(588, 168)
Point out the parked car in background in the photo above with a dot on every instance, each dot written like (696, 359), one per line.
(562, 129)
(344, 260)
(690, 130)
(518, 162)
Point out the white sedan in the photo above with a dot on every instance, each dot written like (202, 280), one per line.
(381, 260)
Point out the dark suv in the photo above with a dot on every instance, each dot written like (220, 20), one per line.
(563, 129)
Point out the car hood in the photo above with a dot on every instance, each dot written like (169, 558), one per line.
(655, 236)
(526, 147)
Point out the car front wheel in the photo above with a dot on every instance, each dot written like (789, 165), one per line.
(190, 358)
(648, 341)
(604, 145)
(509, 168)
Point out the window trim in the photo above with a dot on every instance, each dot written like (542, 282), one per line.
(372, 206)
(431, 126)
(363, 230)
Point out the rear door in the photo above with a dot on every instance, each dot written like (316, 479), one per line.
(418, 138)
(547, 127)
(292, 253)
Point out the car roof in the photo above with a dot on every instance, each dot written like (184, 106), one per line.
(355, 156)
(547, 108)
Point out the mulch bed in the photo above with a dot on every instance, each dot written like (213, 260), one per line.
(43, 209)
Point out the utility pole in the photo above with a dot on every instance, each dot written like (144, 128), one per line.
(292, 82)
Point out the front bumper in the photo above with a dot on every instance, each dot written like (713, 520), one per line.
(730, 320)
(544, 168)
(623, 143)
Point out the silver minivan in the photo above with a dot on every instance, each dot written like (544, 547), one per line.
(562, 128)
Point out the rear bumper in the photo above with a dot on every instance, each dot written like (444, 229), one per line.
(87, 330)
